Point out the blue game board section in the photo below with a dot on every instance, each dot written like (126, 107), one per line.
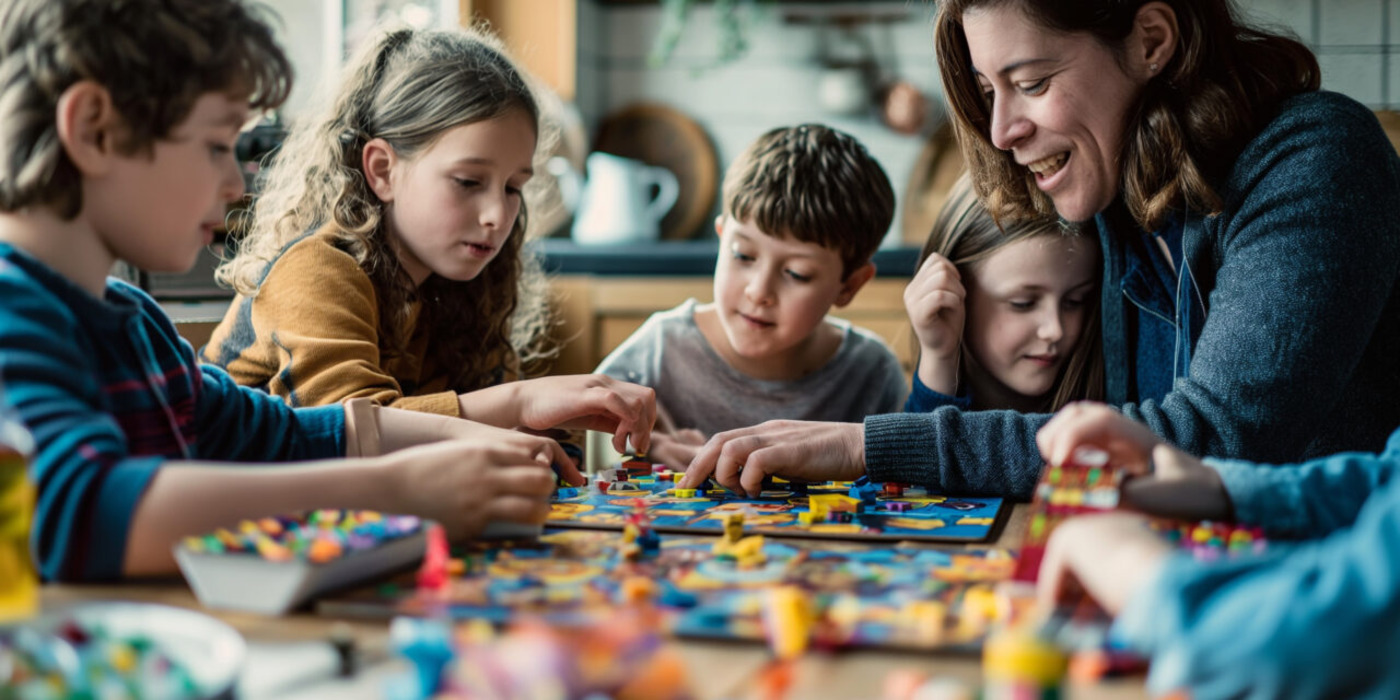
(863, 511)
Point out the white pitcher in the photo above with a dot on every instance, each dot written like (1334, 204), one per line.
(616, 205)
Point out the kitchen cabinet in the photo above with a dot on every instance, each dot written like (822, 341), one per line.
(542, 35)
(597, 313)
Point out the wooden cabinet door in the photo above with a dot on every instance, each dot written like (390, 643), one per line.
(541, 35)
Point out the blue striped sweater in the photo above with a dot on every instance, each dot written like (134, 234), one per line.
(111, 392)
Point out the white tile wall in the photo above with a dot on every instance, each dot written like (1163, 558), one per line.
(776, 82)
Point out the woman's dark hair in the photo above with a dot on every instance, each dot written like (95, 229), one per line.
(1225, 81)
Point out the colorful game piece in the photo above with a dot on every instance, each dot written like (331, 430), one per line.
(427, 645)
(1018, 665)
(1065, 491)
(432, 574)
(787, 617)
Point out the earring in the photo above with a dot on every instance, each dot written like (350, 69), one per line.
(1152, 68)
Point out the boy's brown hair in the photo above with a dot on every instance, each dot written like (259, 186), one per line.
(815, 184)
(154, 57)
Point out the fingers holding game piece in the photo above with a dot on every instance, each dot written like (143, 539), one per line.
(805, 450)
(1085, 431)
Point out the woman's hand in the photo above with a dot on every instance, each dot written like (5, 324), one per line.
(934, 299)
(1108, 556)
(467, 483)
(1166, 481)
(580, 401)
(800, 450)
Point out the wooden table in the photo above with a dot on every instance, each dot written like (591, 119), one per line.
(290, 657)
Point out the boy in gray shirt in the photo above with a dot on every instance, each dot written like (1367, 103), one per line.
(805, 208)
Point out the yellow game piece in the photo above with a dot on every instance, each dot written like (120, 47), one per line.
(806, 518)
(733, 527)
(928, 618)
(831, 502)
(228, 539)
(271, 550)
(122, 657)
(788, 617)
(980, 607)
(456, 566)
(1018, 657)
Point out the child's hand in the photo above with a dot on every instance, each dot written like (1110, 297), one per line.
(808, 451)
(676, 450)
(1108, 556)
(1083, 424)
(581, 401)
(465, 484)
(1180, 486)
(1168, 482)
(934, 299)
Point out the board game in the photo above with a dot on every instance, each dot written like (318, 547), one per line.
(857, 510)
(848, 595)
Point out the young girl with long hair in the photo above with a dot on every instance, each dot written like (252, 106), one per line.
(1005, 316)
(385, 260)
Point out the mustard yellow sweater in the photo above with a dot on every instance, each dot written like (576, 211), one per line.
(311, 337)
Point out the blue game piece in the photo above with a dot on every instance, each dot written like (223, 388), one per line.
(673, 597)
(865, 491)
(427, 644)
(566, 492)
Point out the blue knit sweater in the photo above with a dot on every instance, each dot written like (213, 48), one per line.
(1282, 336)
(111, 392)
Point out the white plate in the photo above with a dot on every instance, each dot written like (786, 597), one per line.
(208, 650)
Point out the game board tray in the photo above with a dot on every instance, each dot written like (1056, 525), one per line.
(924, 517)
(249, 583)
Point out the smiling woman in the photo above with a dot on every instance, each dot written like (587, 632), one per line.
(1251, 302)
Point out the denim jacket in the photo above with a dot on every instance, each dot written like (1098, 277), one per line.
(1277, 341)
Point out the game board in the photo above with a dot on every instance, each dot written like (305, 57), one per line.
(857, 595)
(846, 510)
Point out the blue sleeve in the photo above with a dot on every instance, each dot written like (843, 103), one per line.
(87, 482)
(1311, 499)
(1320, 620)
(966, 453)
(239, 424)
(924, 400)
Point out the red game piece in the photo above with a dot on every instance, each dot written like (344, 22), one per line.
(433, 574)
